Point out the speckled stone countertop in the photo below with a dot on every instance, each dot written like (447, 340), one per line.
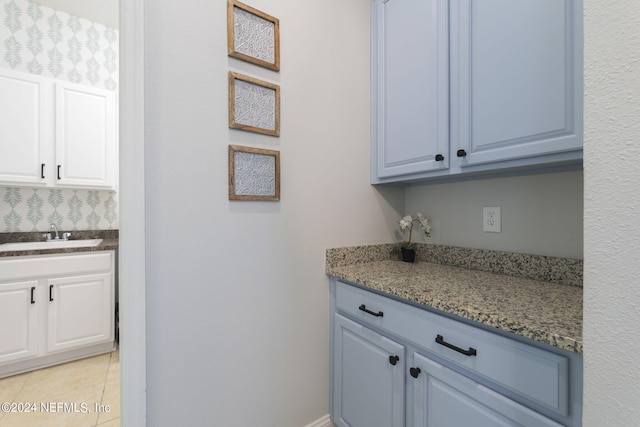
(546, 308)
(110, 242)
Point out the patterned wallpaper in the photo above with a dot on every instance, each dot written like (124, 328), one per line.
(35, 209)
(43, 41)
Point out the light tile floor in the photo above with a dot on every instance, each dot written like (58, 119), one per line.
(74, 394)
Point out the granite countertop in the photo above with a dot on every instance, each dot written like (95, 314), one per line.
(546, 311)
(109, 242)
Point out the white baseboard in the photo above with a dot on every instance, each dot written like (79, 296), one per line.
(322, 422)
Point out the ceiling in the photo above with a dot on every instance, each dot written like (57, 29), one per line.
(101, 11)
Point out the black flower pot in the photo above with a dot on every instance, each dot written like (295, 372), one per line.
(408, 255)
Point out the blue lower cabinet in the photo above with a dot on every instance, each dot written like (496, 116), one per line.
(444, 398)
(368, 381)
(396, 364)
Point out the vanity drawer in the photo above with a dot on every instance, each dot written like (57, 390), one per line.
(12, 268)
(533, 373)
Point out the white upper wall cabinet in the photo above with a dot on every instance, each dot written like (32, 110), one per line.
(85, 136)
(23, 128)
(462, 88)
(56, 133)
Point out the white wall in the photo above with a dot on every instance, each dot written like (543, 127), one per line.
(612, 220)
(237, 299)
(541, 214)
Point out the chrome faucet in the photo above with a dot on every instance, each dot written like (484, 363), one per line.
(54, 228)
(47, 236)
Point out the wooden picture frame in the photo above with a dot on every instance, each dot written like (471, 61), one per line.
(254, 105)
(252, 35)
(254, 173)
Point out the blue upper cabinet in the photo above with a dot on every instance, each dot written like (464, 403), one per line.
(516, 79)
(410, 79)
(493, 86)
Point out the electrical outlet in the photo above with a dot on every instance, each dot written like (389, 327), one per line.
(491, 220)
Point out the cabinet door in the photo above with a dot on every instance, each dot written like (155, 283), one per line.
(22, 129)
(444, 398)
(516, 88)
(85, 136)
(410, 87)
(18, 320)
(368, 377)
(80, 311)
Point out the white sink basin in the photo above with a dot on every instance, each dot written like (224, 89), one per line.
(51, 244)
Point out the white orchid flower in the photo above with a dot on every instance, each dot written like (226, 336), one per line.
(407, 223)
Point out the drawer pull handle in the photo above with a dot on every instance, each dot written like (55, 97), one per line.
(364, 308)
(471, 352)
(414, 372)
(33, 289)
(393, 360)
(50, 292)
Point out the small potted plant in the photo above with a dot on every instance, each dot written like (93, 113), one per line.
(407, 248)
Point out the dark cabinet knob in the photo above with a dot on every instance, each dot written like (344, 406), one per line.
(461, 153)
(439, 157)
(393, 360)
(415, 372)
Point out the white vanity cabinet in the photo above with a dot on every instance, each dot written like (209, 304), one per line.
(18, 320)
(56, 134)
(463, 88)
(80, 311)
(397, 364)
(55, 308)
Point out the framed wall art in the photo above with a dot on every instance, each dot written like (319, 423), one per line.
(252, 35)
(254, 105)
(254, 173)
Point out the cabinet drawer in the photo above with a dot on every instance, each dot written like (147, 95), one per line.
(535, 374)
(12, 268)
